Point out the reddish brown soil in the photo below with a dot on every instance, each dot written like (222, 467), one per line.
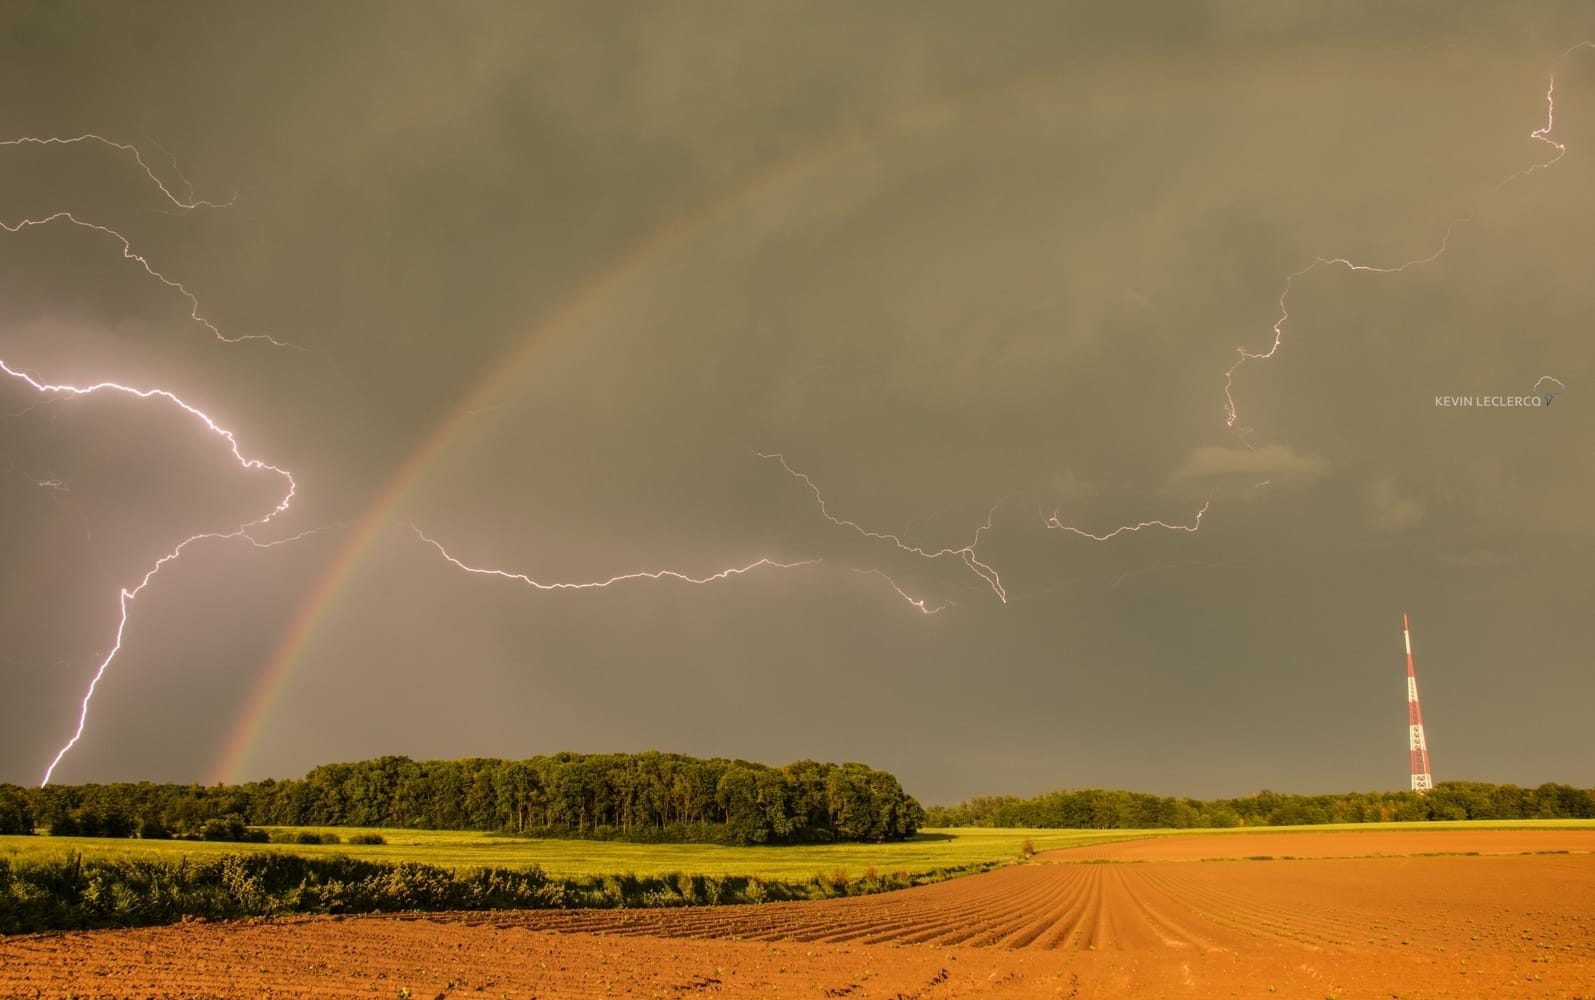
(1505, 924)
(1335, 844)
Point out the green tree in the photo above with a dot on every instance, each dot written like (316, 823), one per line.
(16, 811)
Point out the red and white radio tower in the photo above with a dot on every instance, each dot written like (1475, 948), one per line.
(1421, 780)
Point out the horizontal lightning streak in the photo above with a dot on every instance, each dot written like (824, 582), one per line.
(130, 254)
(1057, 525)
(661, 574)
(89, 137)
(965, 553)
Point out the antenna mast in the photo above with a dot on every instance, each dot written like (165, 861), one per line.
(1421, 779)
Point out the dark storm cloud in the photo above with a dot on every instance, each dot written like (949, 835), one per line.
(941, 257)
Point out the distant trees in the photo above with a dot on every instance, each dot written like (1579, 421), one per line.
(1105, 810)
(645, 797)
(16, 810)
(659, 797)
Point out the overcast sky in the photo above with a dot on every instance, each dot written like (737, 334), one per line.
(947, 259)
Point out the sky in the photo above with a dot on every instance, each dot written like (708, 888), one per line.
(552, 277)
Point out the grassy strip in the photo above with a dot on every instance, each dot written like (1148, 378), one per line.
(77, 893)
(69, 883)
(931, 850)
(572, 858)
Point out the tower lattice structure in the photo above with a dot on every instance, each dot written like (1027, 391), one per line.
(1422, 781)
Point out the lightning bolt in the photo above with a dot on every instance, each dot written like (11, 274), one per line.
(659, 574)
(52, 390)
(128, 253)
(1057, 525)
(130, 594)
(54, 485)
(1542, 135)
(965, 553)
(138, 157)
(920, 603)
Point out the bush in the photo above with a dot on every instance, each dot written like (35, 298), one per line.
(151, 828)
(66, 826)
(366, 839)
(231, 829)
(16, 811)
(70, 893)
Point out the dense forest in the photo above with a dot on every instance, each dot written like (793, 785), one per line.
(647, 797)
(1095, 809)
(657, 797)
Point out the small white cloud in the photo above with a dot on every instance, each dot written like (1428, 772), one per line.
(1066, 485)
(1277, 463)
(1391, 508)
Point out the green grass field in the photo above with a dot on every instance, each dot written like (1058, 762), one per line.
(952, 848)
(565, 858)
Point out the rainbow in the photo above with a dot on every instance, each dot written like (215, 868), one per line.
(378, 514)
(668, 239)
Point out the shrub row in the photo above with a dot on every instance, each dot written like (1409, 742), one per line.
(76, 893)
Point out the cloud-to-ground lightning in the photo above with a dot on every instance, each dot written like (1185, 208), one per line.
(1541, 134)
(129, 594)
(965, 553)
(250, 531)
(55, 390)
(658, 574)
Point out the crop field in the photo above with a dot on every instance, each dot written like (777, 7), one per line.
(1507, 911)
(933, 849)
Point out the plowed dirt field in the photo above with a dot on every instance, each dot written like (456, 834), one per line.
(1386, 914)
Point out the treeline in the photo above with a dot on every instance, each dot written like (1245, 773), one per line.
(1095, 809)
(78, 893)
(646, 797)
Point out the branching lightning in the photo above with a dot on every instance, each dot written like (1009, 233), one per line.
(659, 574)
(919, 603)
(60, 390)
(129, 594)
(128, 253)
(249, 531)
(138, 157)
(965, 553)
(986, 572)
(1542, 134)
(1230, 413)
